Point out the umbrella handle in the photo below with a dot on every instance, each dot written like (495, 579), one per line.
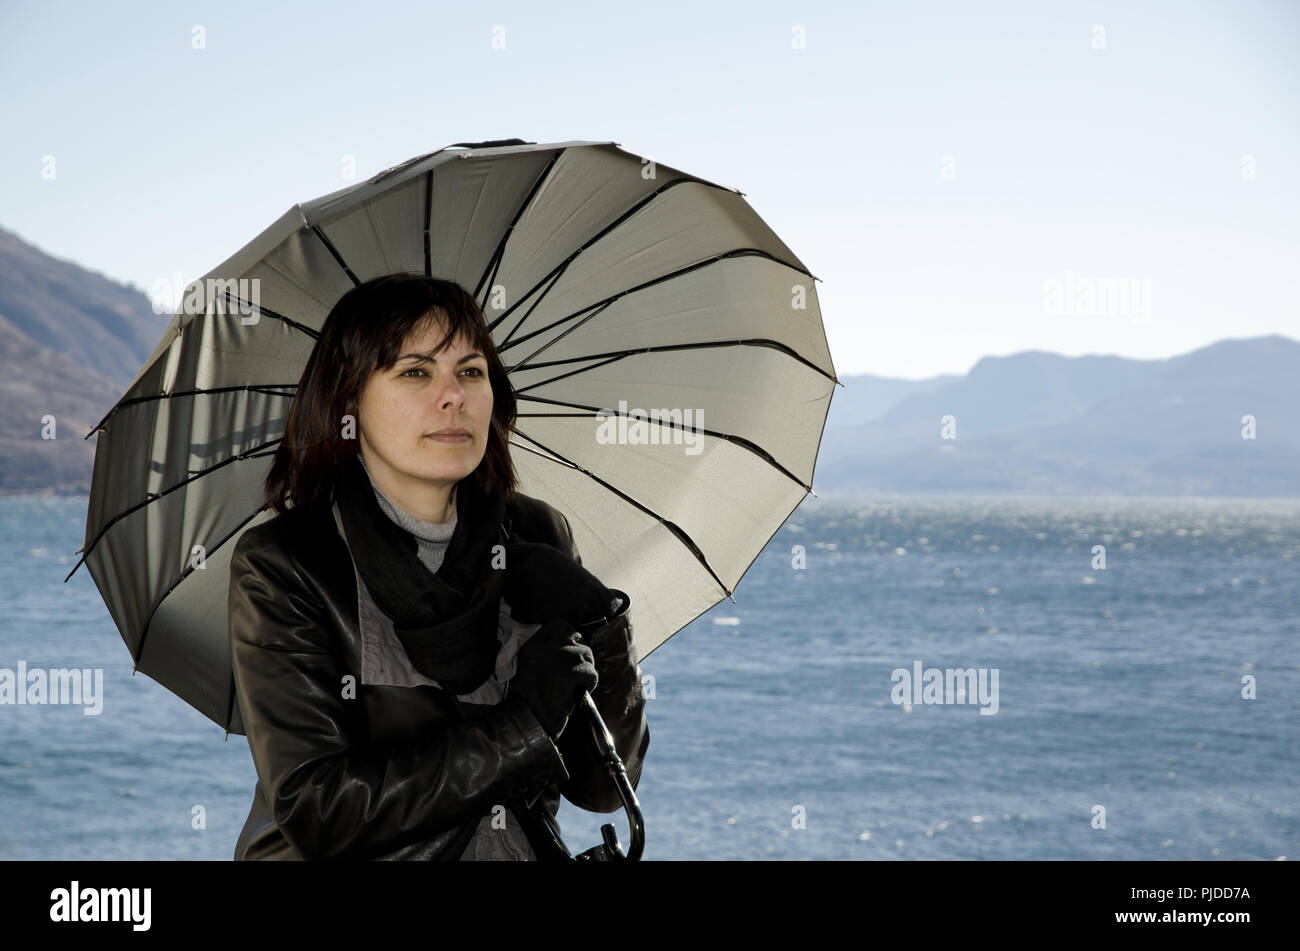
(609, 755)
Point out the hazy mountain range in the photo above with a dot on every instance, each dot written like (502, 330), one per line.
(71, 341)
(1043, 424)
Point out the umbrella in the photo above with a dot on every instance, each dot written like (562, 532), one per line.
(666, 347)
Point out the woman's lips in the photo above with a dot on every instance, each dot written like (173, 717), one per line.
(448, 437)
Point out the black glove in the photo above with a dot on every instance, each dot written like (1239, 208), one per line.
(543, 583)
(550, 669)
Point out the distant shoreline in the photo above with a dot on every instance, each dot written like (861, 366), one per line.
(1018, 497)
(40, 493)
(886, 497)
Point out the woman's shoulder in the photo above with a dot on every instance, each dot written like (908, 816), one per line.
(299, 532)
(308, 533)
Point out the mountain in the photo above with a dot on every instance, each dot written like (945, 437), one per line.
(1045, 424)
(991, 398)
(71, 341)
(99, 324)
(866, 397)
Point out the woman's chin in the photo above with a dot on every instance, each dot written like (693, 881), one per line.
(445, 473)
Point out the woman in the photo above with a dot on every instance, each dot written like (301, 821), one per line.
(409, 633)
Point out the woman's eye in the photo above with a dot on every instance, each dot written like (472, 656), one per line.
(474, 370)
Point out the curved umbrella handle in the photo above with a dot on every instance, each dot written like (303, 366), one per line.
(609, 754)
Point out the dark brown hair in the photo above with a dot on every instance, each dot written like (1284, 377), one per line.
(363, 334)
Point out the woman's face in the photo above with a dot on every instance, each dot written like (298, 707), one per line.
(402, 408)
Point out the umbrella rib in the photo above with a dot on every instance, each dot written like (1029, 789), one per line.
(524, 364)
(266, 388)
(428, 220)
(138, 653)
(230, 701)
(673, 527)
(613, 355)
(329, 246)
(601, 305)
(686, 179)
(494, 263)
(229, 299)
(532, 307)
(602, 412)
(155, 496)
(267, 312)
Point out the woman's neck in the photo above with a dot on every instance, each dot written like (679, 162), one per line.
(434, 504)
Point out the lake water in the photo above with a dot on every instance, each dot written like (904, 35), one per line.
(774, 734)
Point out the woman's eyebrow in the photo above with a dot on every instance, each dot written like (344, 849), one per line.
(425, 358)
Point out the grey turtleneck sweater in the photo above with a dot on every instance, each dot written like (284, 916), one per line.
(432, 538)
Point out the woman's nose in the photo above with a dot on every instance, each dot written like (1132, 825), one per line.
(452, 394)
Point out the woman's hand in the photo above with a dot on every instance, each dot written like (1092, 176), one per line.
(543, 584)
(551, 667)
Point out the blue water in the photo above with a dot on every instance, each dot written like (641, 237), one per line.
(773, 734)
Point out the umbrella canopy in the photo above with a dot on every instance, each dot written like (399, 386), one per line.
(666, 347)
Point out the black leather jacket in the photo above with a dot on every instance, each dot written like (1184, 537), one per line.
(397, 772)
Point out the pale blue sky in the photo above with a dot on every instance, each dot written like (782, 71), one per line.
(1121, 163)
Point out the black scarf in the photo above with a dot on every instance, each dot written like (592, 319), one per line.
(448, 621)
